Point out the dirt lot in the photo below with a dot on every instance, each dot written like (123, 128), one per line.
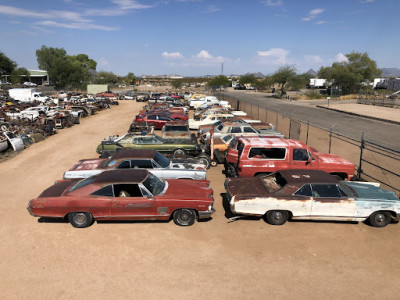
(214, 259)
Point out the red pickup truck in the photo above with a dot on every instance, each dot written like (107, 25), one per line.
(252, 156)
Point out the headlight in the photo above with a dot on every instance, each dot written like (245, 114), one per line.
(210, 206)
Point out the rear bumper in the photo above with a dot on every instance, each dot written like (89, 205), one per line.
(206, 214)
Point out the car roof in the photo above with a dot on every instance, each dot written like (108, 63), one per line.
(260, 141)
(134, 153)
(300, 177)
(122, 176)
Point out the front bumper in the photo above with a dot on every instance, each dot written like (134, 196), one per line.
(206, 214)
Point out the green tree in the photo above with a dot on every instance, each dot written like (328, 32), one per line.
(248, 79)
(130, 79)
(349, 75)
(282, 76)
(219, 81)
(104, 77)
(176, 83)
(6, 64)
(65, 70)
(299, 81)
(19, 75)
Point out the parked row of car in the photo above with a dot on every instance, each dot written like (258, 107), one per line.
(144, 176)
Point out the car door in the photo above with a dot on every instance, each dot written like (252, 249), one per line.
(302, 159)
(129, 203)
(330, 202)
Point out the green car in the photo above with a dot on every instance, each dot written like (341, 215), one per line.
(175, 147)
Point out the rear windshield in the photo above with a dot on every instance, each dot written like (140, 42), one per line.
(273, 182)
(176, 128)
(83, 183)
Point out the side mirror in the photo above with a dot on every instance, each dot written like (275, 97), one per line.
(309, 160)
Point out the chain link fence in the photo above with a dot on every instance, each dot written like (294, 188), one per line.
(373, 162)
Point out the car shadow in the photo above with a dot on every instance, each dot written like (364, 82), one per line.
(52, 220)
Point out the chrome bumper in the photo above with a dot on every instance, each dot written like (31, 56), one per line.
(206, 214)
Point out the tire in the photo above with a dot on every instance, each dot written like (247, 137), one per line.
(218, 156)
(205, 159)
(184, 217)
(277, 217)
(214, 163)
(380, 219)
(179, 152)
(80, 219)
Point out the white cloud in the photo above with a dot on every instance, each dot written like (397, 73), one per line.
(120, 7)
(369, 1)
(211, 9)
(172, 55)
(312, 14)
(82, 26)
(321, 22)
(204, 56)
(274, 56)
(102, 62)
(273, 2)
(340, 57)
(313, 59)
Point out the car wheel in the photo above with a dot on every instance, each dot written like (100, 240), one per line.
(184, 217)
(277, 217)
(214, 163)
(380, 219)
(218, 156)
(179, 152)
(80, 219)
(205, 160)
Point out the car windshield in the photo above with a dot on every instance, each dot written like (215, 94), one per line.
(83, 183)
(106, 162)
(162, 160)
(183, 128)
(227, 138)
(154, 184)
(273, 182)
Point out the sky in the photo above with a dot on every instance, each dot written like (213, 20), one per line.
(195, 37)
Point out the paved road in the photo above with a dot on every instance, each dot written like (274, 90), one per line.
(377, 132)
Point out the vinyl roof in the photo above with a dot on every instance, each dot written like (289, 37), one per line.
(307, 176)
(122, 176)
(134, 153)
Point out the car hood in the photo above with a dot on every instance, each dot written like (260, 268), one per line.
(192, 164)
(370, 191)
(184, 189)
(88, 164)
(245, 186)
(333, 159)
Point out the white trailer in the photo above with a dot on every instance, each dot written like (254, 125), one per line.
(317, 83)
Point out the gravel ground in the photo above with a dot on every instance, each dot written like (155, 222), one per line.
(145, 260)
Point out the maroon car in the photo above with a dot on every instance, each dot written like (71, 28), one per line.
(125, 195)
(158, 120)
(174, 115)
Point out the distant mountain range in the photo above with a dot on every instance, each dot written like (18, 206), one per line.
(312, 72)
(390, 72)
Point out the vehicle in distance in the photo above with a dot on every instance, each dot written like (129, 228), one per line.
(176, 130)
(311, 195)
(252, 156)
(177, 147)
(29, 84)
(151, 160)
(125, 195)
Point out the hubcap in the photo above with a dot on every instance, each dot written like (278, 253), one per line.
(80, 218)
(185, 217)
(277, 215)
(380, 218)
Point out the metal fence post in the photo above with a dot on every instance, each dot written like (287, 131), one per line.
(362, 146)
(266, 114)
(330, 137)
(308, 128)
(276, 121)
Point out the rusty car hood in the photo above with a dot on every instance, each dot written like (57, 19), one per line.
(88, 164)
(189, 190)
(246, 186)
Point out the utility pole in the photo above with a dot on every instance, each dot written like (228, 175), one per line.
(222, 68)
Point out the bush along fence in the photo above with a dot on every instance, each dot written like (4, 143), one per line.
(373, 162)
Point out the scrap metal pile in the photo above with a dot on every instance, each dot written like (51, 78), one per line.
(23, 123)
